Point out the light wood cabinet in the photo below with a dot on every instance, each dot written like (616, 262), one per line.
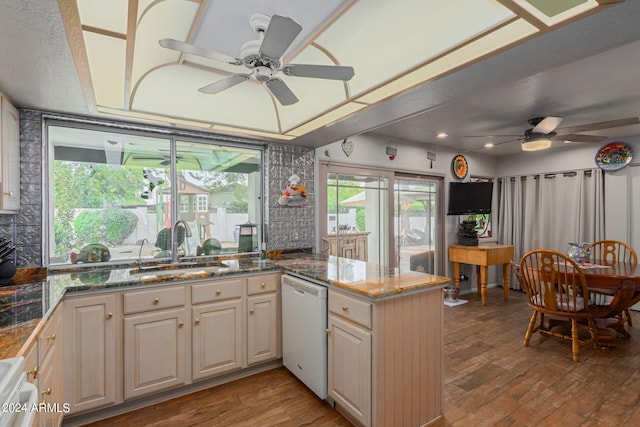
(50, 371)
(385, 358)
(264, 334)
(32, 370)
(349, 355)
(348, 245)
(155, 344)
(9, 157)
(217, 338)
(90, 325)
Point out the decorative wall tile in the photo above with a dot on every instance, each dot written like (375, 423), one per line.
(289, 227)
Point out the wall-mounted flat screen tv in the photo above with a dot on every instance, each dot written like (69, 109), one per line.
(469, 198)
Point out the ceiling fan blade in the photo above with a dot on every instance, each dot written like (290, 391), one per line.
(331, 72)
(546, 125)
(600, 125)
(280, 33)
(508, 141)
(223, 84)
(281, 91)
(576, 137)
(198, 51)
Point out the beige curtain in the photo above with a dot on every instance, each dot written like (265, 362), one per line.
(550, 210)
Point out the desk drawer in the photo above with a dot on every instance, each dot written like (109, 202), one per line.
(216, 291)
(154, 299)
(351, 308)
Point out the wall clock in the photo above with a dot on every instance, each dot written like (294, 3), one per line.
(347, 147)
(459, 166)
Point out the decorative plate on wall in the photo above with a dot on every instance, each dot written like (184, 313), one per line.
(614, 156)
(459, 166)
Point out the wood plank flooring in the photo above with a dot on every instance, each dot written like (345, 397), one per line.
(491, 379)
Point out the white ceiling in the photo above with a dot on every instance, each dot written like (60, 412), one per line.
(585, 71)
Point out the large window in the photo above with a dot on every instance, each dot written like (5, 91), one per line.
(111, 195)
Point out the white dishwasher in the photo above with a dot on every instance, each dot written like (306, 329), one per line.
(304, 332)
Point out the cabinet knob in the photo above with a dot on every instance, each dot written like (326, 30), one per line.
(33, 372)
(51, 338)
(8, 193)
(109, 315)
(263, 285)
(218, 292)
(328, 331)
(180, 324)
(197, 321)
(345, 308)
(46, 392)
(251, 311)
(156, 300)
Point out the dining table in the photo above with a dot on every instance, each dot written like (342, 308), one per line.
(623, 278)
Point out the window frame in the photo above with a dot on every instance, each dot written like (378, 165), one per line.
(130, 129)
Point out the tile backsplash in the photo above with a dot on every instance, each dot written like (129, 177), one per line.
(285, 227)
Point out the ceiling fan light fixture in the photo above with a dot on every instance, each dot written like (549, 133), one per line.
(536, 143)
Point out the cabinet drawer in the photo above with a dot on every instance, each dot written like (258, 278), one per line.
(351, 308)
(47, 338)
(262, 284)
(216, 291)
(154, 299)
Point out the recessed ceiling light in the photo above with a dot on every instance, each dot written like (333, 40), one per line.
(488, 145)
(442, 135)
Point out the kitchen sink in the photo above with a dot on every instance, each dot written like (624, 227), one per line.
(10, 372)
(178, 269)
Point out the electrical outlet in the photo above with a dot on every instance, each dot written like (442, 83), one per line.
(294, 235)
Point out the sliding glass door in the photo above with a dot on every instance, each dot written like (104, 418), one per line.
(416, 222)
(381, 217)
(355, 221)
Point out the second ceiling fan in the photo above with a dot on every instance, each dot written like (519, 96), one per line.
(545, 130)
(262, 58)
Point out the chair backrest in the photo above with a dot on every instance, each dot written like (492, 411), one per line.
(609, 252)
(553, 282)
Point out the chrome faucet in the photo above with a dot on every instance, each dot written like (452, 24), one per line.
(142, 242)
(187, 232)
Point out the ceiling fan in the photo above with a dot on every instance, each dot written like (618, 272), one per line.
(545, 130)
(263, 59)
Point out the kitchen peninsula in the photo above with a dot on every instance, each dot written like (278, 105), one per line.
(385, 328)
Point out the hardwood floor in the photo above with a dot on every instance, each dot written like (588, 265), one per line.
(491, 379)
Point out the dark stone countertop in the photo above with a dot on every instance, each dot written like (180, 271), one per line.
(27, 300)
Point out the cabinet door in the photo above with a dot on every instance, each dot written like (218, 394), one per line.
(90, 352)
(217, 338)
(10, 138)
(154, 352)
(50, 371)
(262, 334)
(349, 363)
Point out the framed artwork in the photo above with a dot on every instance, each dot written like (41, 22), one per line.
(459, 166)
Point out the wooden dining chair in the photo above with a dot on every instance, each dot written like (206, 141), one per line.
(607, 252)
(557, 288)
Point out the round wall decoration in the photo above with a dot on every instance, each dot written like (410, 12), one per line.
(614, 156)
(459, 166)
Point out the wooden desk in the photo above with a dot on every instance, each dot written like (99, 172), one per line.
(482, 257)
